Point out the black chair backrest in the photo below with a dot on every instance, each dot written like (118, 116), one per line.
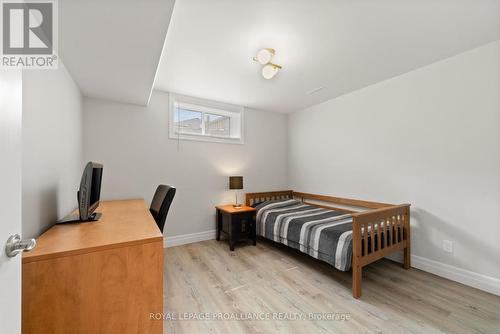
(162, 199)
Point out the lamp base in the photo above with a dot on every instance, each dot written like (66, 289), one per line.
(237, 206)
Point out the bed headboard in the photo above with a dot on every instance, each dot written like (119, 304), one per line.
(251, 198)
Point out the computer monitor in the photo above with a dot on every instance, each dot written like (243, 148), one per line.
(90, 192)
(88, 195)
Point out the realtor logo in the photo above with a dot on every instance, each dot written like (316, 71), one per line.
(29, 34)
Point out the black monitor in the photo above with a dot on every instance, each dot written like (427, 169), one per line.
(90, 192)
(88, 195)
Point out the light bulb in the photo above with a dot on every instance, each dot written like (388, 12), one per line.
(264, 56)
(269, 71)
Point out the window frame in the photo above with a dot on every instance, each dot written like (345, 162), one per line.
(206, 107)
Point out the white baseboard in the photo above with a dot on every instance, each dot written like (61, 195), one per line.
(470, 278)
(467, 277)
(188, 238)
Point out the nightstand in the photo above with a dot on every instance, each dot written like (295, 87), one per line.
(236, 223)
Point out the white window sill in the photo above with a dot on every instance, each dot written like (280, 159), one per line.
(205, 138)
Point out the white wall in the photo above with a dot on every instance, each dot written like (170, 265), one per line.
(430, 137)
(52, 147)
(132, 142)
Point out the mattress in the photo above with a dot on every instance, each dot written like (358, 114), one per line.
(322, 233)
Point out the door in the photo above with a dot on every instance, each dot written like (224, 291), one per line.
(10, 197)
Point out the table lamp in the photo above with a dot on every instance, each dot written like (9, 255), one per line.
(236, 183)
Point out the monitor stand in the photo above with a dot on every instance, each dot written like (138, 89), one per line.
(76, 219)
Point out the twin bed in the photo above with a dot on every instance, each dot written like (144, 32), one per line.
(346, 233)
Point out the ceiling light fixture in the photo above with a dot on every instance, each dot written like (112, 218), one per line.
(264, 57)
(270, 70)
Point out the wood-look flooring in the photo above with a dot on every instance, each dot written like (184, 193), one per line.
(270, 278)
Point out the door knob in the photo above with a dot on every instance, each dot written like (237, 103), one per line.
(16, 245)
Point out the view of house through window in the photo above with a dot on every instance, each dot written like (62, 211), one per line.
(188, 121)
(217, 125)
(201, 121)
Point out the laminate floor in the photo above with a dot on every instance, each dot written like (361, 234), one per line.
(279, 290)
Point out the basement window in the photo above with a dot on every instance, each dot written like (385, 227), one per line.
(199, 119)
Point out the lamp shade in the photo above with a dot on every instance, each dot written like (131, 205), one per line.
(236, 182)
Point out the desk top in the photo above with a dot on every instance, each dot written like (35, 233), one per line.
(123, 223)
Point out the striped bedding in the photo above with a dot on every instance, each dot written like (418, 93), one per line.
(323, 234)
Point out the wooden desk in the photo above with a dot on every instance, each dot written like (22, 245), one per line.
(99, 277)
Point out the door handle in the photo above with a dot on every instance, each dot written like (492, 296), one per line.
(16, 245)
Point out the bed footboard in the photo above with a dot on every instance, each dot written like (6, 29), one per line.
(378, 233)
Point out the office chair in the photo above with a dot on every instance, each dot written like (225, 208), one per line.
(160, 205)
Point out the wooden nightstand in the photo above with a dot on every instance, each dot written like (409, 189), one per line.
(236, 223)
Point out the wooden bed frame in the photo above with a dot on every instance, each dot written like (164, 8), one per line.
(365, 214)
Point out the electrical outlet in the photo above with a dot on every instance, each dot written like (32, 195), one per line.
(448, 246)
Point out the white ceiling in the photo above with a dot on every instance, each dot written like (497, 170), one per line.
(112, 47)
(339, 45)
